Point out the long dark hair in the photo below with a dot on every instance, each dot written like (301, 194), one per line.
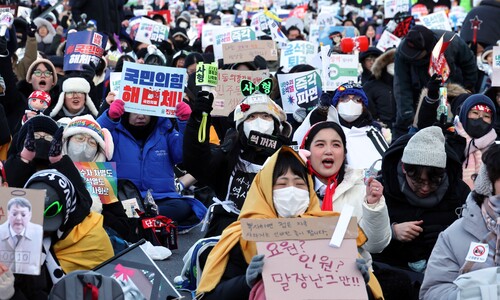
(306, 143)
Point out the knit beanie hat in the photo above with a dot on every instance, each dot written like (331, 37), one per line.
(40, 123)
(32, 67)
(40, 95)
(87, 125)
(426, 148)
(75, 84)
(263, 104)
(349, 88)
(472, 101)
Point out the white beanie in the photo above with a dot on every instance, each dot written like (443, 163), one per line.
(87, 124)
(263, 104)
(426, 148)
(75, 84)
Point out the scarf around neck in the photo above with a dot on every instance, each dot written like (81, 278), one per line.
(330, 188)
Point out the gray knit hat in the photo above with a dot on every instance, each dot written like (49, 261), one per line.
(426, 148)
(482, 184)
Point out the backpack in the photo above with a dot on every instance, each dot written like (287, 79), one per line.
(191, 272)
(128, 190)
(83, 285)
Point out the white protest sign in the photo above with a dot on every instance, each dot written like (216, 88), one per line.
(151, 90)
(150, 31)
(392, 7)
(495, 77)
(227, 20)
(296, 53)
(208, 34)
(211, 5)
(338, 69)
(114, 81)
(299, 263)
(437, 20)
(259, 24)
(299, 90)
(314, 34)
(388, 40)
(231, 35)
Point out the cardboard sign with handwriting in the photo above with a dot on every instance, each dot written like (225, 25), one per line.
(246, 51)
(299, 263)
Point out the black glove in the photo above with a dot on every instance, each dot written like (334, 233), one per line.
(318, 115)
(55, 150)
(31, 29)
(88, 71)
(433, 86)
(3, 45)
(260, 62)
(29, 151)
(203, 103)
(325, 99)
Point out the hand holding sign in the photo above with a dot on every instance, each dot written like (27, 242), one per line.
(206, 77)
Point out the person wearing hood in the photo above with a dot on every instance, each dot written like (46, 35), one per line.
(365, 142)
(451, 272)
(146, 150)
(179, 58)
(475, 124)
(230, 167)
(74, 100)
(44, 35)
(378, 89)
(179, 39)
(183, 20)
(233, 266)
(411, 70)
(423, 189)
(367, 59)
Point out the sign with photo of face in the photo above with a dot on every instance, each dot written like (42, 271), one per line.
(21, 229)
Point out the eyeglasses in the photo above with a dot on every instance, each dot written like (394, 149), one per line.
(72, 94)
(53, 209)
(433, 183)
(39, 73)
(355, 99)
(82, 138)
(46, 137)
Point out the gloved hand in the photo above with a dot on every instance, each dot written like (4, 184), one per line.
(254, 269)
(318, 115)
(116, 109)
(3, 46)
(28, 153)
(31, 30)
(88, 71)
(363, 268)
(203, 103)
(182, 111)
(300, 114)
(433, 86)
(260, 62)
(55, 150)
(6, 282)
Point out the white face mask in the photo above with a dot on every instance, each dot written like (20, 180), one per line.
(390, 68)
(260, 125)
(350, 110)
(290, 202)
(81, 151)
(183, 24)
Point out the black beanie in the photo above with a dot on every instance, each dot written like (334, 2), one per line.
(40, 123)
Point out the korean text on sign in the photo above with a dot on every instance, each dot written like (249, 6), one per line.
(296, 53)
(152, 90)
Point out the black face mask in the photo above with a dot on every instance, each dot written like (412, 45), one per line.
(180, 45)
(477, 128)
(42, 149)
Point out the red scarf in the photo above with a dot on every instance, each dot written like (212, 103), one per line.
(331, 185)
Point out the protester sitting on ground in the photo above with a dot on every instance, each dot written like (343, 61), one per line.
(229, 169)
(423, 189)
(146, 150)
(233, 266)
(479, 224)
(336, 184)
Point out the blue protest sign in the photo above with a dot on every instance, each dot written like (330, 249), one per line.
(82, 48)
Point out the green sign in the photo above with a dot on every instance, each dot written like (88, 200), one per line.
(206, 74)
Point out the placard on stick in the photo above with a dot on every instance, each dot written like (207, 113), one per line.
(298, 262)
(246, 51)
(206, 74)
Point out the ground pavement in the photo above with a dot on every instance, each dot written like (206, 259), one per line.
(172, 266)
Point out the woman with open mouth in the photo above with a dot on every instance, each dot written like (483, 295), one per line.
(74, 100)
(338, 185)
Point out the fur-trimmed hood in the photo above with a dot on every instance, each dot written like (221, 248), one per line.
(39, 22)
(382, 61)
